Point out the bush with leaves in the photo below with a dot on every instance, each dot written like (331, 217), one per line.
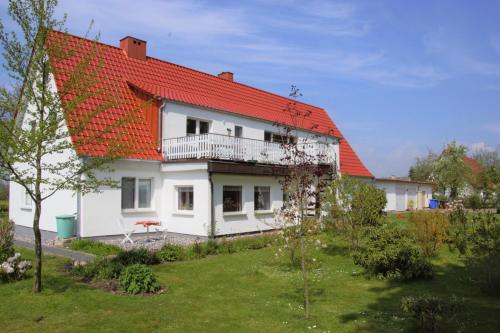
(99, 269)
(430, 230)
(354, 204)
(459, 227)
(473, 201)
(137, 256)
(137, 279)
(393, 253)
(171, 252)
(6, 239)
(483, 262)
(433, 314)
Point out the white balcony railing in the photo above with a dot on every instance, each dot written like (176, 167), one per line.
(223, 147)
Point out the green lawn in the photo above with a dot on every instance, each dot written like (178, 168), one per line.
(244, 292)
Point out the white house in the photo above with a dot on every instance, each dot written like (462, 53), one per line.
(403, 193)
(207, 150)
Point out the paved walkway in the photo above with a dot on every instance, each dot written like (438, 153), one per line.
(57, 251)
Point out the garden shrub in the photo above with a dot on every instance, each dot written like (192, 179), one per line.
(13, 268)
(392, 253)
(211, 247)
(473, 201)
(483, 262)
(6, 239)
(433, 314)
(459, 228)
(137, 256)
(94, 247)
(99, 269)
(137, 279)
(171, 252)
(430, 230)
(4, 206)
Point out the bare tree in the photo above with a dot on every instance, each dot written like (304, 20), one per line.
(304, 177)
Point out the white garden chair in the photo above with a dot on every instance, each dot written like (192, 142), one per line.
(127, 232)
(163, 230)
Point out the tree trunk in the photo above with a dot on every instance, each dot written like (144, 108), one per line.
(37, 283)
(304, 278)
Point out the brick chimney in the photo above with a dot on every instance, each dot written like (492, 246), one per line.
(133, 47)
(226, 76)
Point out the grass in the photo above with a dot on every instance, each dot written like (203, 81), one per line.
(96, 248)
(250, 291)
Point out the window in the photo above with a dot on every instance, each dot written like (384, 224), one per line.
(136, 193)
(267, 136)
(278, 138)
(238, 131)
(27, 201)
(231, 199)
(203, 127)
(185, 198)
(128, 193)
(191, 127)
(262, 198)
(144, 193)
(194, 126)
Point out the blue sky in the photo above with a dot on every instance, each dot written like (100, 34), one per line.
(397, 77)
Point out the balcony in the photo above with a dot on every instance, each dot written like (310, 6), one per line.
(224, 147)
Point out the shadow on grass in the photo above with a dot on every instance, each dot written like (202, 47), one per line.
(337, 250)
(385, 314)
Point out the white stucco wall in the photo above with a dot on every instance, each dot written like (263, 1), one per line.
(248, 220)
(411, 191)
(101, 212)
(62, 202)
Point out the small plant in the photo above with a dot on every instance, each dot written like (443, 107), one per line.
(4, 206)
(137, 279)
(411, 205)
(433, 314)
(459, 227)
(137, 256)
(93, 247)
(197, 250)
(99, 269)
(430, 230)
(171, 252)
(6, 239)
(14, 268)
(392, 253)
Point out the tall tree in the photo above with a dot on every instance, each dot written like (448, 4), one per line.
(423, 168)
(451, 172)
(40, 124)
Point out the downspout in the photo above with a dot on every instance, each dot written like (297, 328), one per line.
(212, 213)
(160, 126)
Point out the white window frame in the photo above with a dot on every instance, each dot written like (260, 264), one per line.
(136, 208)
(26, 201)
(242, 208)
(263, 211)
(176, 201)
(197, 120)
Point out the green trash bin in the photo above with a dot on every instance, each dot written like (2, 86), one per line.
(65, 226)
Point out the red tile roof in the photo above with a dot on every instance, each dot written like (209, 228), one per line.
(185, 85)
(476, 167)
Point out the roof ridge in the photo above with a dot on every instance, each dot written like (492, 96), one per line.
(197, 71)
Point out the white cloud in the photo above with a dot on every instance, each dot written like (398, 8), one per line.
(478, 146)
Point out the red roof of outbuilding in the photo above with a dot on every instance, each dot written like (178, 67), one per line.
(185, 85)
(476, 167)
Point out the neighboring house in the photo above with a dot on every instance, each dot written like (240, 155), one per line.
(206, 155)
(402, 193)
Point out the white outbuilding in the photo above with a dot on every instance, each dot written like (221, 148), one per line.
(402, 193)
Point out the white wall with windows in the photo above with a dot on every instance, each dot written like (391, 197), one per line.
(186, 198)
(138, 199)
(179, 120)
(245, 203)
